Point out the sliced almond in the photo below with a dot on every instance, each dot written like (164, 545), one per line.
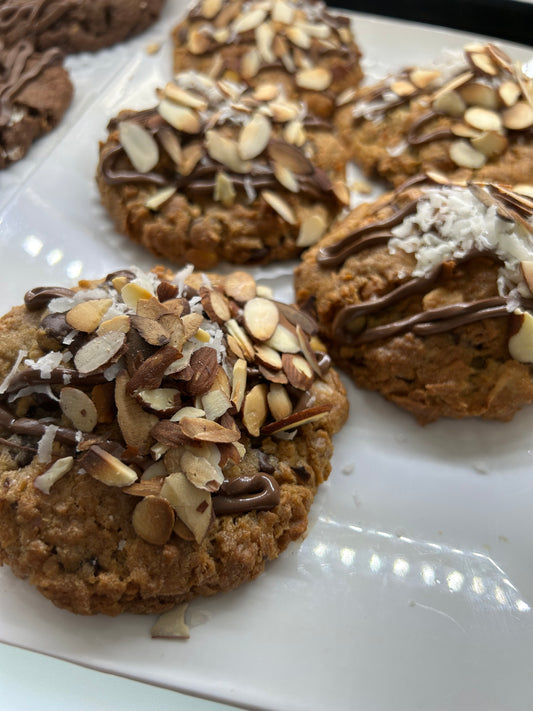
(190, 156)
(311, 230)
(316, 79)
(284, 340)
(463, 130)
(148, 486)
(279, 402)
(297, 419)
(215, 304)
(99, 351)
(117, 323)
(307, 350)
(453, 84)
(153, 520)
(294, 132)
(490, 143)
(272, 376)
(526, 268)
(187, 411)
(255, 409)
(225, 151)
(518, 117)
(286, 178)
(466, 156)
(56, 471)
(298, 371)
(198, 42)
(171, 624)
(135, 424)
(224, 191)
(249, 20)
(422, 78)
(151, 330)
(151, 371)
(279, 205)
(132, 292)
(261, 316)
(201, 473)
(290, 156)
(240, 286)
(86, 315)
(107, 468)
(475, 94)
(402, 87)
(283, 12)
(184, 97)
(192, 505)
(521, 342)
(264, 37)
(283, 111)
(244, 343)
(191, 323)
(267, 356)
(483, 119)
(298, 37)
(161, 401)
(215, 403)
(450, 103)
(182, 118)
(483, 63)
(159, 198)
(139, 145)
(250, 63)
(78, 407)
(202, 430)
(239, 376)
(254, 137)
(509, 93)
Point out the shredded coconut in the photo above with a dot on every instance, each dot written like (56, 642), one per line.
(5, 383)
(451, 222)
(181, 276)
(46, 363)
(44, 448)
(32, 390)
(64, 303)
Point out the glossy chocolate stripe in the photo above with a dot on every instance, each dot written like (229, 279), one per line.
(247, 493)
(437, 135)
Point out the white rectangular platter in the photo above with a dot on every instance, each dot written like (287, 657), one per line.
(414, 586)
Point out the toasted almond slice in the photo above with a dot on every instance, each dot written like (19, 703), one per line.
(190, 156)
(297, 419)
(289, 156)
(239, 376)
(524, 189)
(153, 520)
(297, 36)
(87, 315)
(211, 8)
(283, 12)
(273, 376)
(250, 63)
(224, 191)
(184, 97)
(215, 403)
(161, 401)
(215, 305)
(521, 342)
(267, 356)
(463, 130)
(422, 78)
(187, 412)
(261, 316)
(475, 94)
(311, 230)
(191, 323)
(132, 292)
(107, 468)
(509, 93)
(284, 110)
(152, 331)
(483, 63)
(159, 198)
(255, 409)
(200, 472)
(286, 178)
(192, 505)
(202, 430)
(152, 307)
(48, 478)
(139, 145)
(78, 407)
(248, 21)
(490, 143)
(254, 137)
(117, 323)
(180, 117)
(279, 205)
(450, 103)
(225, 151)
(241, 337)
(222, 382)
(298, 371)
(466, 156)
(171, 624)
(402, 87)
(235, 348)
(453, 84)
(279, 402)
(483, 119)
(150, 486)
(99, 351)
(317, 78)
(198, 42)
(307, 350)
(294, 132)
(518, 117)
(264, 37)
(283, 340)
(240, 286)
(135, 424)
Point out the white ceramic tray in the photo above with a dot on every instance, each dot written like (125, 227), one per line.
(414, 586)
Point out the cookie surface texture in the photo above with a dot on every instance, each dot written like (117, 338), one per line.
(35, 92)
(470, 116)
(302, 45)
(425, 296)
(76, 25)
(158, 441)
(219, 172)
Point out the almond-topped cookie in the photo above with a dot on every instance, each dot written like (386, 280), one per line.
(426, 296)
(35, 92)
(161, 436)
(301, 45)
(218, 172)
(469, 116)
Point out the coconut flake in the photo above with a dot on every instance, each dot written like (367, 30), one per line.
(5, 383)
(46, 363)
(44, 448)
(47, 479)
(181, 276)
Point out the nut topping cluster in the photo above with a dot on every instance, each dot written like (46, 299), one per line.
(215, 139)
(157, 386)
(489, 103)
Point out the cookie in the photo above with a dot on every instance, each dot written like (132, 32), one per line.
(219, 172)
(35, 92)
(75, 25)
(161, 437)
(426, 297)
(300, 44)
(468, 117)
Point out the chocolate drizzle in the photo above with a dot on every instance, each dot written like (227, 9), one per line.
(258, 492)
(21, 18)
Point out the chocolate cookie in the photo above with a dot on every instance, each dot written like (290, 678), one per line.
(75, 25)
(468, 117)
(299, 44)
(161, 437)
(426, 297)
(216, 171)
(35, 92)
